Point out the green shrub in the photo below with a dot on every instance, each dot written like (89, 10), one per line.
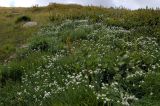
(10, 73)
(40, 44)
(23, 19)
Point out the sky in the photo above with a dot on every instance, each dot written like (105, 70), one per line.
(131, 4)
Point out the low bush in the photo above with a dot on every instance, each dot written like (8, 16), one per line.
(23, 18)
(40, 44)
(11, 73)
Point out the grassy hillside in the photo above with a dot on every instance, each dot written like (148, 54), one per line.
(89, 56)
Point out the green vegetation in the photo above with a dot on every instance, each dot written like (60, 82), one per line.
(23, 19)
(81, 56)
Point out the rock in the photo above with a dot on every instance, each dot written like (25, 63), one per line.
(30, 24)
(24, 46)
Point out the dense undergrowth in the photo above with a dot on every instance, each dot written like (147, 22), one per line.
(79, 63)
(88, 59)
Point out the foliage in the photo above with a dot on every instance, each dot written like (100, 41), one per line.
(23, 19)
(82, 63)
(86, 56)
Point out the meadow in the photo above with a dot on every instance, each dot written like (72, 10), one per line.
(80, 56)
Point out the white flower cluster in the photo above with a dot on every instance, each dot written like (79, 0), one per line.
(126, 97)
(100, 53)
(137, 73)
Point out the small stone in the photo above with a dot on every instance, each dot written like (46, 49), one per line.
(30, 24)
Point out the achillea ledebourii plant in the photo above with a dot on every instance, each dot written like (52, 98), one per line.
(53, 78)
